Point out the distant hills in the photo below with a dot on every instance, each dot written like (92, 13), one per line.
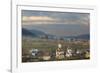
(26, 32)
(84, 36)
(60, 29)
(37, 34)
(32, 33)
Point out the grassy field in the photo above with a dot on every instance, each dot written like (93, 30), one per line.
(48, 45)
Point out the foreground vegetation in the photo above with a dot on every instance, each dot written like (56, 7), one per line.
(47, 49)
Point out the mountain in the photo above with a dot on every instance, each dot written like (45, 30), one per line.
(84, 36)
(32, 32)
(60, 29)
(37, 32)
(26, 32)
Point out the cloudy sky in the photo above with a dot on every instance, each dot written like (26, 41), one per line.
(69, 23)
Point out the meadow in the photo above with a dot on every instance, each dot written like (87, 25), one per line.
(50, 46)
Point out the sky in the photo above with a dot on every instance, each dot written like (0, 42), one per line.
(59, 23)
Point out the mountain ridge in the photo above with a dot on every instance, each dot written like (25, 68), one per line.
(38, 33)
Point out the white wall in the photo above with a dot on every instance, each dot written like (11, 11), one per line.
(5, 34)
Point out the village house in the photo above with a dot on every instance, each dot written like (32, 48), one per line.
(68, 53)
(59, 52)
(46, 55)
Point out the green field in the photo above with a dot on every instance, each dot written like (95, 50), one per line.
(49, 45)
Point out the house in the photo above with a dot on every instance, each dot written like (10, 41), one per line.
(46, 55)
(68, 52)
(34, 51)
(59, 52)
(87, 54)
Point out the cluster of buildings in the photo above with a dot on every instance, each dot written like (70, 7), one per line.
(60, 54)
